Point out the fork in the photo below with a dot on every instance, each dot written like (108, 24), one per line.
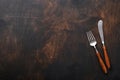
(93, 43)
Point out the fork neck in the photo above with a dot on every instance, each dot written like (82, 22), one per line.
(96, 49)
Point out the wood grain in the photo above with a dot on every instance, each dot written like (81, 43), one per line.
(46, 40)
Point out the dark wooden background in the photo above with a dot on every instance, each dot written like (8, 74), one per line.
(46, 39)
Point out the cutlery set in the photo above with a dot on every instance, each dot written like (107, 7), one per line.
(105, 66)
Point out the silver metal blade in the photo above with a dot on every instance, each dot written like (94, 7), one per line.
(100, 29)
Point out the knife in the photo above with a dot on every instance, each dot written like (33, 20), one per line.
(100, 29)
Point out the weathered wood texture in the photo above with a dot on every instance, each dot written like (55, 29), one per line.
(46, 39)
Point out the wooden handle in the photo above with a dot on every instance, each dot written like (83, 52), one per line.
(101, 63)
(107, 61)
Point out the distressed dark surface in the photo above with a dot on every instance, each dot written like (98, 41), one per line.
(46, 39)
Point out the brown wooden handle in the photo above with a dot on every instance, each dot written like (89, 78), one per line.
(107, 61)
(101, 63)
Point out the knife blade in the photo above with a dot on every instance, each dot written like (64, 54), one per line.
(100, 29)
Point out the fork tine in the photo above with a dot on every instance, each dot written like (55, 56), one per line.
(89, 35)
(93, 38)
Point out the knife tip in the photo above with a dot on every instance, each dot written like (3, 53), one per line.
(100, 21)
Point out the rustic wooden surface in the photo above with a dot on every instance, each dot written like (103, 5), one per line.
(46, 39)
